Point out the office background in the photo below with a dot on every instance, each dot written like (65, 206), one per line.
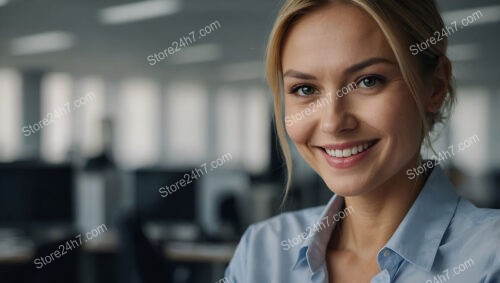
(104, 103)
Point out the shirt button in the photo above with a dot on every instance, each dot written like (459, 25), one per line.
(387, 253)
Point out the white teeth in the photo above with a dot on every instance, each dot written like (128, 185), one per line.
(338, 153)
(347, 151)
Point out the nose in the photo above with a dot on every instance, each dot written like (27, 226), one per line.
(337, 118)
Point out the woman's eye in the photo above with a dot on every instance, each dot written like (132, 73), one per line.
(369, 82)
(304, 90)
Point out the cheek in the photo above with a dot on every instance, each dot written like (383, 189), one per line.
(399, 118)
(406, 120)
(300, 132)
(299, 126)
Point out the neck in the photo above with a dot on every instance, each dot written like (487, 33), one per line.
(378, 215)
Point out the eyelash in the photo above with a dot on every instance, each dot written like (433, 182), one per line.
(294, 89)
(380, 80)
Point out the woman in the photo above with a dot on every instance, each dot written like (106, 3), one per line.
(383, 224)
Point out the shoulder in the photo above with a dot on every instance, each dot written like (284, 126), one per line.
(473, 221)
(287, 223)
(475, 234)
(285, 231)
(262, 248)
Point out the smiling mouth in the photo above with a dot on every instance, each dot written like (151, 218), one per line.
(349, 150)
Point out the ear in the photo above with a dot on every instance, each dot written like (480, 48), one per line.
(439, 81)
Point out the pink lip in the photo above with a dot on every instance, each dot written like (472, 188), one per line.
(346, 162)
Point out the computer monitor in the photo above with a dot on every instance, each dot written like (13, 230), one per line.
(166, 195)
(217, 187)
(35, 194)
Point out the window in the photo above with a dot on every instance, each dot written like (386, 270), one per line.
(243, 127)
(186, 124)
(230, 128)
(257, 130)
(470, 119)
(56, 92)
(90, 138)
(10, 114)
(137, 123)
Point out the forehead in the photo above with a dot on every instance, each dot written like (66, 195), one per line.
(335, 35)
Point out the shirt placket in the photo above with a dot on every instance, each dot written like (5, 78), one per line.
(388, 262)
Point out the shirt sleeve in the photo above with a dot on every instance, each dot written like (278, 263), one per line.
(235, 272)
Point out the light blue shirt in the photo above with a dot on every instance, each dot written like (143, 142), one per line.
(443, 238)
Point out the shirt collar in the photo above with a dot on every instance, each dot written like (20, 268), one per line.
(423, 226)
(313, 249)
(419, 235)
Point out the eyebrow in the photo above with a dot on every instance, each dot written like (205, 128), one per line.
(371, 61)
(352, 69)
(298, 75)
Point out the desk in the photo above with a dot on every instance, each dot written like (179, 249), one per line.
(175, 251)
(17, 248)
(216, 255)
(16, 254)
(199, 252)
(107, 242)
(19, 251)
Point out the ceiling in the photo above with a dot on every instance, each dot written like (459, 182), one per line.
(121, 50)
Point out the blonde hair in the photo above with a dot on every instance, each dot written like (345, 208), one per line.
(403, 22)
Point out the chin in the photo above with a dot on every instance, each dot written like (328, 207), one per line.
(348, 186)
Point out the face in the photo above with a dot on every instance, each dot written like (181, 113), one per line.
(348, 110)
